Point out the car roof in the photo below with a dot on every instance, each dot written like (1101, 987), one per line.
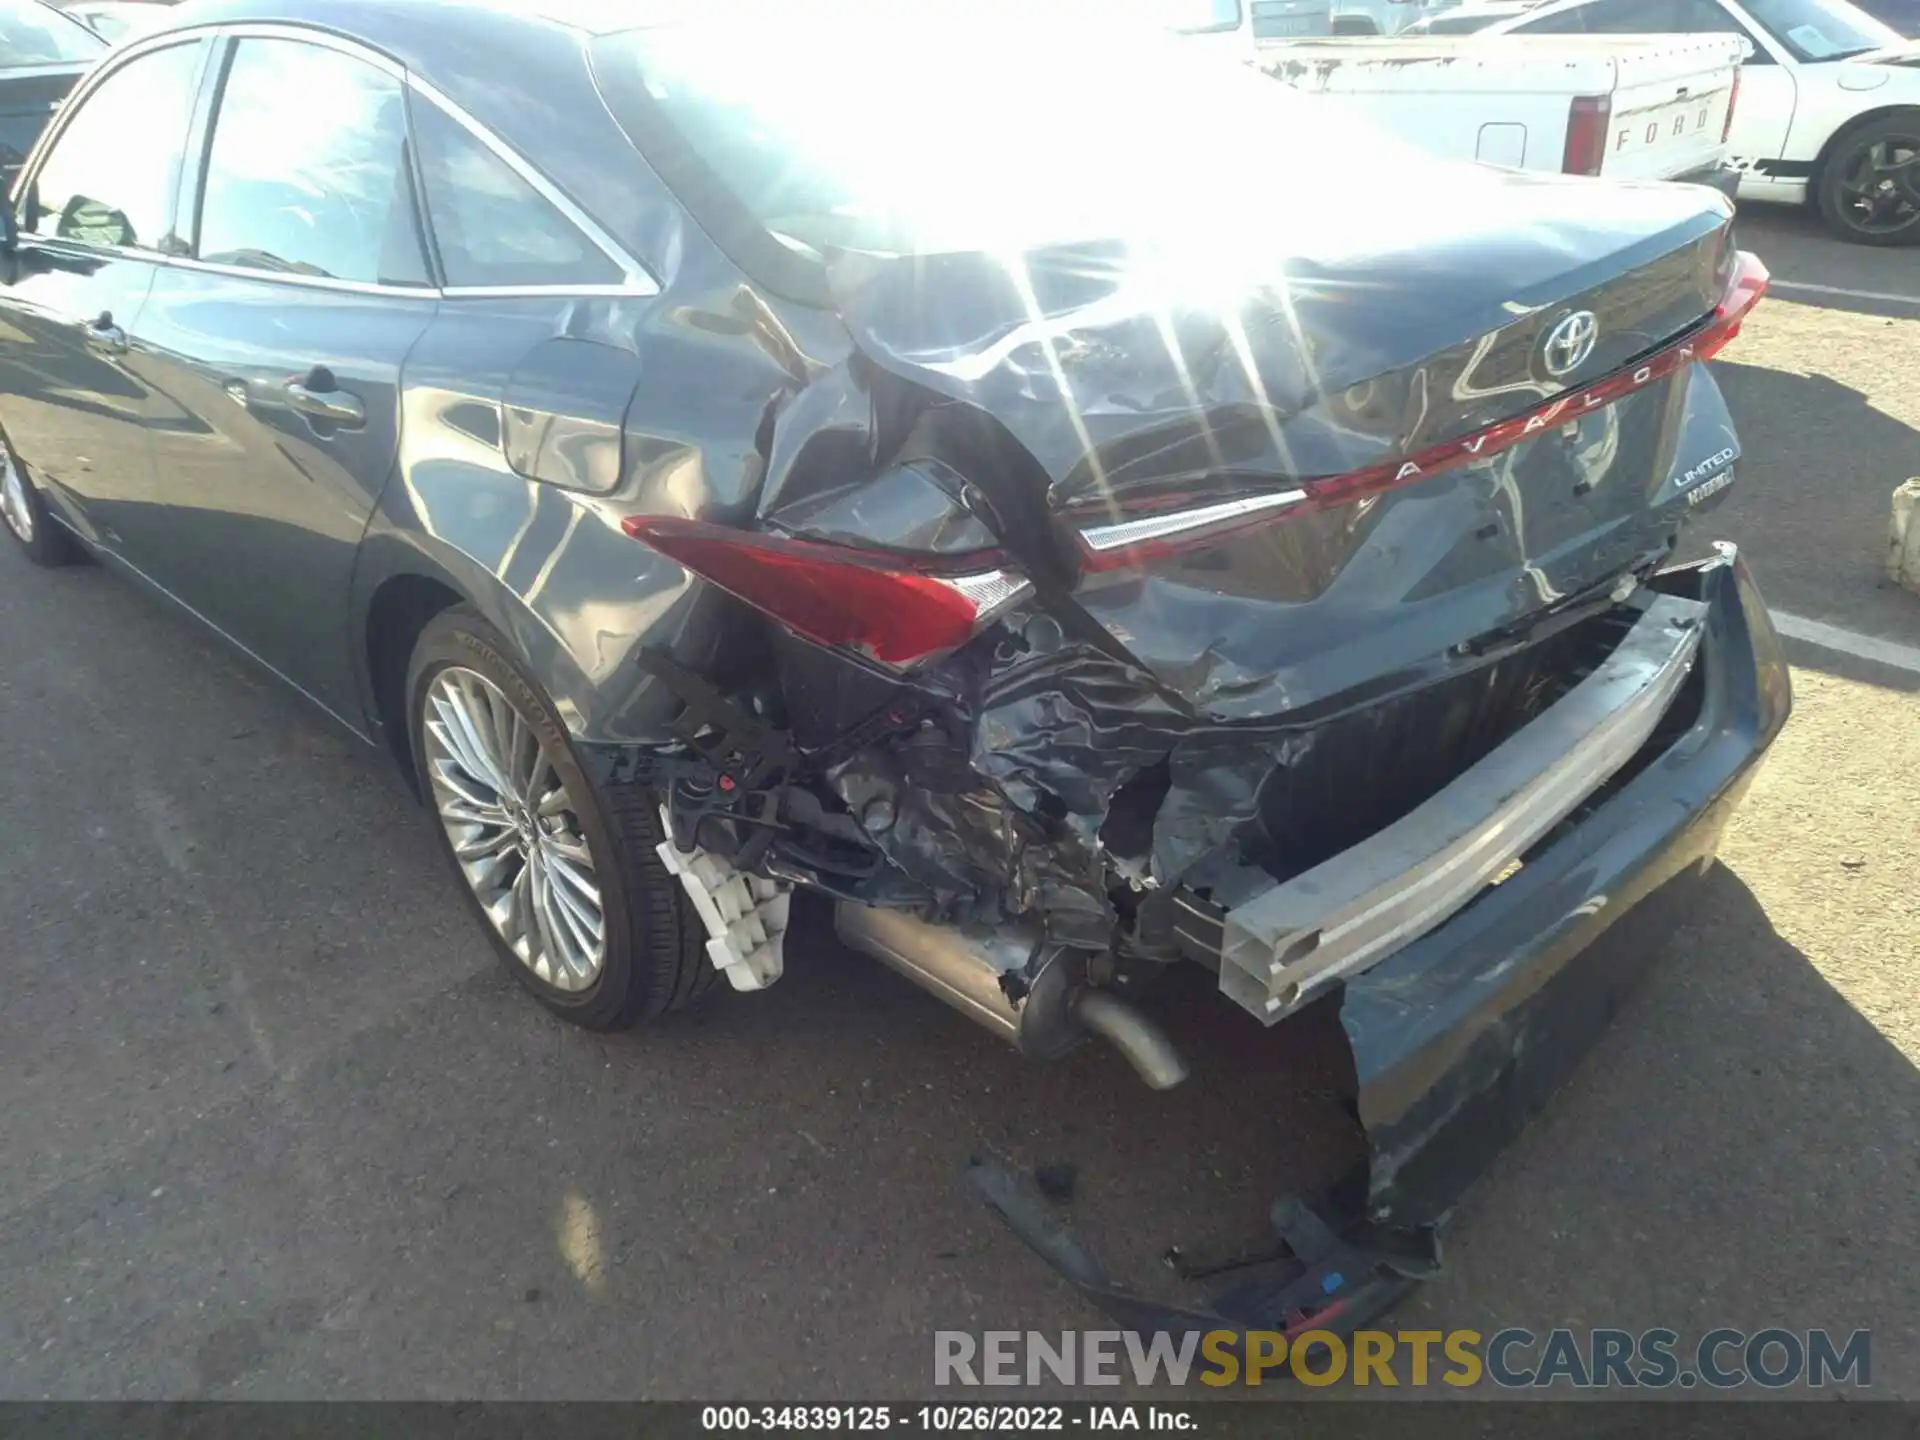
(517, 67)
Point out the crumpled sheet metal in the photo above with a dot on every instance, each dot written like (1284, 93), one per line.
(1071, 730)
(977, 858)
(1012, 826)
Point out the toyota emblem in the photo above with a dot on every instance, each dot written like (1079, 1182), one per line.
(1570, 343)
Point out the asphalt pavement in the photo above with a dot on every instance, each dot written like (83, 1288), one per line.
(276, 1124)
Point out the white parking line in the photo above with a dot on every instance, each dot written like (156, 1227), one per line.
(1878, 297)
(1861, 647)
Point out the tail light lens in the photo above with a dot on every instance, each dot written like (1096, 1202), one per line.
(890, 607)
(1747, 283)
(1129, 543)
(1586, 147)
(1733, 100)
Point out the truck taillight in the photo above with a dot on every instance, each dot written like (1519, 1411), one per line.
(1733, 99)
(1586, 146)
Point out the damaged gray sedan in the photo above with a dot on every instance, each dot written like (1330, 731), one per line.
(1040, 497)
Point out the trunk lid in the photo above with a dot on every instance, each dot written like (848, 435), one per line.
(1159, 377)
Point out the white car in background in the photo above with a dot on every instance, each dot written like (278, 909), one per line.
(1829, 108)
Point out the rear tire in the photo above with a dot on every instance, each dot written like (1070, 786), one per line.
(651, 954)
(25, 518)
(1868, 187)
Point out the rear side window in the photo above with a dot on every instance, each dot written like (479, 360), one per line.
(35, 35)
(111, 175)
(492, 227)
(1566, 22)
(1638, 17)
(308, 171)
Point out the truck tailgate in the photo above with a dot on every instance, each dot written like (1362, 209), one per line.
(1671, 106)
(1506, 99)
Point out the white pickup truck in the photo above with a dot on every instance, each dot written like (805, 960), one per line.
(1623, 107)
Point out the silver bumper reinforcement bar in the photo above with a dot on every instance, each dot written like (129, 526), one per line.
(1285, 945)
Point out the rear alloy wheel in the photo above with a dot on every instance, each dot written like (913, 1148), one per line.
(563, 875)
(24, 514)
(514, 829)
(1869, 187)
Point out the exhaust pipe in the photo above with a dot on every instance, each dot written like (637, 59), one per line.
(964, 968)
(1145, 1044)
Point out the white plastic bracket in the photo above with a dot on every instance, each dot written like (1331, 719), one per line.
(745, 915)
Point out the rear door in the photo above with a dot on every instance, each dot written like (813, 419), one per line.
(95, 218)
(283, 335)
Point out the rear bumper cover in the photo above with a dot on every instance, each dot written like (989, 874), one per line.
(1459, 1038)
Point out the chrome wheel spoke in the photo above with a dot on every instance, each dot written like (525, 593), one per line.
(580, 913)
(464, 801)
(565, 847)
(16, 507)
(513, 829)
(486, 845)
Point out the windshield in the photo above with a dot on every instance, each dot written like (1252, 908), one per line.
(915, 128)
(35, 35)
(1815, 30)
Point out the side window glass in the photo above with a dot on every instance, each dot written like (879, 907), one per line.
(1567, 22)
(112, 173)
(308, 171)
(491, 226)
(1714, 17)
(1634, 17)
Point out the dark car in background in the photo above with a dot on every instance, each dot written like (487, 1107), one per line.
(720, 457)
(42, 54)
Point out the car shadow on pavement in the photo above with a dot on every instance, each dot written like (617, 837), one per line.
(1817, 542)
(1737, 1151)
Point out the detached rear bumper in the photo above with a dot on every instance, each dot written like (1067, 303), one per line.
(1459, 1038)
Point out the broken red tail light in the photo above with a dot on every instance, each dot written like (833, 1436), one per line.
(1733, 102)
(1130, 543)
(895, 608)
(1586, 147)
(1745, 286)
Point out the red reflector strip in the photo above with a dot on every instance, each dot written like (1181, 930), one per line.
(1128, 543)
(835, 595)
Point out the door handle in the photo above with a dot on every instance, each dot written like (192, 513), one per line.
(102, 334)
(320, 397)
